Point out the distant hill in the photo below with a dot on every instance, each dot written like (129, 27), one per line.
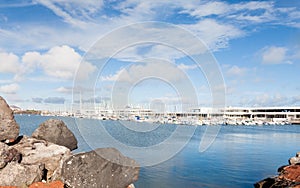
(18, 110)
(14, 107)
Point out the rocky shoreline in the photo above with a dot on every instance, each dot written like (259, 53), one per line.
(45, 158)
(288, 176)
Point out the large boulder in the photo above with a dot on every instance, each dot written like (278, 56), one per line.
(55, 131)
(9, 129)
(36, 151)
(15, 174)
(105, 167)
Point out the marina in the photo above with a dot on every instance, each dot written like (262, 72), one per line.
(197, 116)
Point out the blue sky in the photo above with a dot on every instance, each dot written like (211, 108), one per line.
(43, 42)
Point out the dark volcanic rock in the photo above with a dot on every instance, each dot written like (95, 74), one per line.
(266, 183)
(105, 167)
(9, 129)
(55, 131)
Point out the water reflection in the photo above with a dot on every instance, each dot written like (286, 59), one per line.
(240, 155)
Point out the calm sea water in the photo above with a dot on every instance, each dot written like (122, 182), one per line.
(240, 155)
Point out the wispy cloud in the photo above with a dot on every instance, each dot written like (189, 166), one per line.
(275, 55)
(37, 100)
(187, 67)
(55, 100)
(13, 4)
(64, 89)
(75, 12)
(236, 71)
(9, 89)
(277, 99)
(216, 38)
(89, 22)
(45, 52)
(148, 69)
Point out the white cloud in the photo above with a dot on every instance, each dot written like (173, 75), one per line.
(254, 5)
(74, 12)
(249, 12)
(59, 62)
(9, 63)
(114, 77)
(267, 99)
(148, 69)
(158, 50)
(243, 11)
(215, 22)
(187, 67)
(5, 81)
(207, 9)
(13, 4)
(92, 23)
(162, 41)
(215, 38)
(236, 71)
(274, 55)
(63, 90)
(10, 88)
(55, 100)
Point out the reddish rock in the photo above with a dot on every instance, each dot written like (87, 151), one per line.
(289, 176)
(290, 173)
(54, 184)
